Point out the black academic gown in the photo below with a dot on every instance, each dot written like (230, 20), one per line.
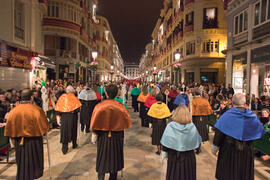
(158, 126)
(69, 125)
(110, 153)
(86, 112)
(180, 165)
(235, 158)
(29, 158)
(135, 103)
(143, 115)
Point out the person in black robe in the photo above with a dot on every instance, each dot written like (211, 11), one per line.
(88, 99)
(179, 140)
(158, 113)
(26, 124)
(201, 109)
(143, 113)
(67, 108)
(109, 120)
(235, 132)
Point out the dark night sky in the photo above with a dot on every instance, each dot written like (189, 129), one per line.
(132, 23)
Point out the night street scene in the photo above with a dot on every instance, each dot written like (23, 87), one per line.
(135, 89)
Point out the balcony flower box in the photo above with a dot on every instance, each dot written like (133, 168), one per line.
(177, 66)
(94, 65)
(155, 73)
(111, 72)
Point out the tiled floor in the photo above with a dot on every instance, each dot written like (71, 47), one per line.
(141, 162)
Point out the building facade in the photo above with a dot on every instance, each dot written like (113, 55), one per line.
(72, 31)
(131, 70)
(248, 53)
(197, 30)
(109, 59)
(21, 43)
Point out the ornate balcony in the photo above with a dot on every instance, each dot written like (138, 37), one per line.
(189, 28)
(188, 2)
(61, 24)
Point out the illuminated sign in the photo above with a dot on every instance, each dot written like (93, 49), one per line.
(19, 61)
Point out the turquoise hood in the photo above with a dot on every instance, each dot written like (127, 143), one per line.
(181, 137)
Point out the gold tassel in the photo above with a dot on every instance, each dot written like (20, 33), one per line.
(110, 134)
(21, 143)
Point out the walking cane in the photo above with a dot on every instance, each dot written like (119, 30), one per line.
(78, 129)
(49, 157)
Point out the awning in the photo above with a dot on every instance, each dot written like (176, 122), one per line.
(46, 62)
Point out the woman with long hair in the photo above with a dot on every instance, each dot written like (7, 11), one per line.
(179, 141)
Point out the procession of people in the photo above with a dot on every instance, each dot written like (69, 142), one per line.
(178, 117)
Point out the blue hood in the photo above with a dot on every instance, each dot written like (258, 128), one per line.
(241, 125)
(181, 99)
(181, 137)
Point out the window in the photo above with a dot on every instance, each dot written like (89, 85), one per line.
(217, 46)
(210, 19)
(190, 48)
(245, 20)
(261, 12)
(210, 46)
(190, 19)
(241, 22)
(236, 23)
(257, 15)
(53, 10)
(19, 20)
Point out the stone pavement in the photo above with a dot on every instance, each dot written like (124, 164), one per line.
(141, 162)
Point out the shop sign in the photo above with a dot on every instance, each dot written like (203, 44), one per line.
(19, 61)
(260, 54)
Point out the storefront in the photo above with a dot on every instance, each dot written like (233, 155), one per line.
(239, 74)
(260, 71)
(15, 67)
(43, 68)
(66, 72)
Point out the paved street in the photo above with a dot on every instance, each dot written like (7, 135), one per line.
(141, 162)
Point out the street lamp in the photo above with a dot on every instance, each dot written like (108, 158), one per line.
(177, 57)
(155, 68)
(94, 56)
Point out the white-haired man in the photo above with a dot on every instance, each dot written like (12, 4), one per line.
(235, 131)
(67, 108)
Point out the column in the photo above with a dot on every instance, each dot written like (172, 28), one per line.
(229, 69)
(248, 70)
(197, 74)
(183, 75)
